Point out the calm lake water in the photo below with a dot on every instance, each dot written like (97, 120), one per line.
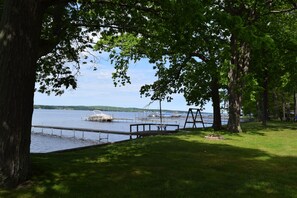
(49, 140)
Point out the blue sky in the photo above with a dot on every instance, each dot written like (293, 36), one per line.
(97, 88)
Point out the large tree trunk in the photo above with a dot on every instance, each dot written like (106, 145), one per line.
(234, 108)
(217, 120)
(240, 59)
(19, 36)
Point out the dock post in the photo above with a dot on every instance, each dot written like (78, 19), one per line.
(137, 132)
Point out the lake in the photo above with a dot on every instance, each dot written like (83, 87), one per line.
(49, 141)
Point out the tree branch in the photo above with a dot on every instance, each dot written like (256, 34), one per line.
(201, 56)
(58, 31)
(284, 11)
(46, 46)
(294, 7)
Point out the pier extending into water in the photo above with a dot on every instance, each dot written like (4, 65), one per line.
(136, 131)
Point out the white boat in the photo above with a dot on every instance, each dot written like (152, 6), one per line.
(154, 115)
(100, 117)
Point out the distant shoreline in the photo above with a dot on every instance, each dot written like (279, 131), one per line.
(102, 108)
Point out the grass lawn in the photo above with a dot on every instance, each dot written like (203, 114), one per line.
(257, 163)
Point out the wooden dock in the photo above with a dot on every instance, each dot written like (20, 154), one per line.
(136, 130)
(60, 131)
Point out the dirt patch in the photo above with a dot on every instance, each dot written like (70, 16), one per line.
(214, 137)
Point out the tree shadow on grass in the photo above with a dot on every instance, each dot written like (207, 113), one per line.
(250, 127)
(256, 127)
(162, 166)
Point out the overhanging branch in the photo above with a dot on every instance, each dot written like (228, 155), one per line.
(293, 8)
(136, 5)
(199, 55)
(283, 11)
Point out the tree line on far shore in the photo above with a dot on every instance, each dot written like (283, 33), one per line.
(101, 108)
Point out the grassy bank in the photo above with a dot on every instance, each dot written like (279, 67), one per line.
(257, 163)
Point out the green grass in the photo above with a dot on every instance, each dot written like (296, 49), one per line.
(261, 162)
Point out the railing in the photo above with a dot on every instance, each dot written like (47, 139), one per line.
(147, 129)
(58, 131)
